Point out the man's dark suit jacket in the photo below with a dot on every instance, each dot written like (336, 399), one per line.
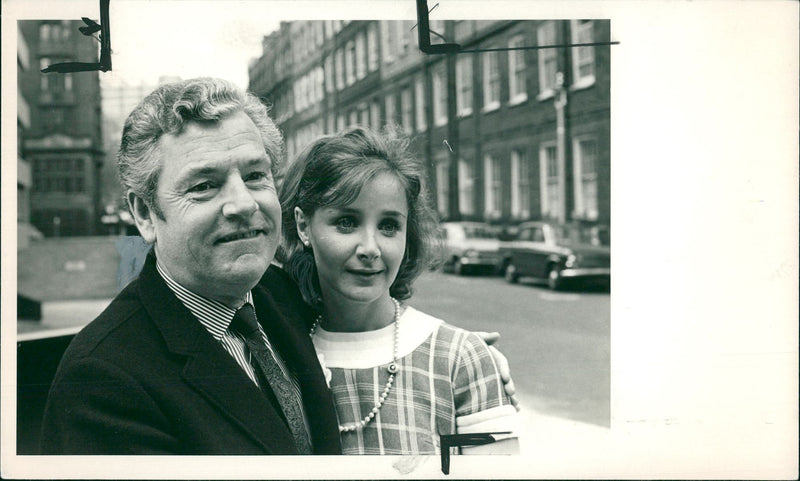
(146, 377)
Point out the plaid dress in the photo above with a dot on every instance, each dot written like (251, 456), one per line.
(447, 383)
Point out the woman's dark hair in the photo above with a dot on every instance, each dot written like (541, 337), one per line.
(332, 171)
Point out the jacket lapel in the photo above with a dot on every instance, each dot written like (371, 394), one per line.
(209, 369)
(290, 338)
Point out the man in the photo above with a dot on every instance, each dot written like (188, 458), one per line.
(170, 366)
(197, 161)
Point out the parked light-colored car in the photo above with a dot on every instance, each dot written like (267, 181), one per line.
(470, 246)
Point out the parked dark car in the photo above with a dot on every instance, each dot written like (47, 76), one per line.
(557, 253)
(470, 246)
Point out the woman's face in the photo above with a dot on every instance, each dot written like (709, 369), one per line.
(358, 248)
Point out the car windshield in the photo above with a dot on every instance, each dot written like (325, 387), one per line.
(596, 235)
(479, 232)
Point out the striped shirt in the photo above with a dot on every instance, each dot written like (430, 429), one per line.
(447, 383)
(216, 317)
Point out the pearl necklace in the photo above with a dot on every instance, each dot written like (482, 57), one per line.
(391, 369)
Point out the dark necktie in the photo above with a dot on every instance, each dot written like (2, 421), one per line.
(244, 322)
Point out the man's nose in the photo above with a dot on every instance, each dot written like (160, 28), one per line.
(368, 248)
(239, 201)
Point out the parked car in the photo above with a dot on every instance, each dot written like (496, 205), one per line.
(556, 253)
(470, 246)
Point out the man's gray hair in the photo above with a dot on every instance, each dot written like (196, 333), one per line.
(166, 110)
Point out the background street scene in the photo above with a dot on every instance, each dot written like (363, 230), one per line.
(556, 342)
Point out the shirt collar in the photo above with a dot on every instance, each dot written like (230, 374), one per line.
(213, 315)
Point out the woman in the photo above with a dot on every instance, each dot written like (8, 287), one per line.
(357, 233)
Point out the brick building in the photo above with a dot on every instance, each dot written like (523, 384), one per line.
(63, 144)
(25, 232)
(507, 135)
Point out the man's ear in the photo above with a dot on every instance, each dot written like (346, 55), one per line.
(144, 217)
(302, 225)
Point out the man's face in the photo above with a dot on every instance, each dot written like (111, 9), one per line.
(222, 217)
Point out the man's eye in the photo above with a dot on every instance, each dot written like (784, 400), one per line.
(201, 187)
(256, 176)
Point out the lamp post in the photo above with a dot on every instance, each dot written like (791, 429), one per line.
(560, 101)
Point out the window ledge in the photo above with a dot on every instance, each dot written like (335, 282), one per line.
(549, 93)
(583, 83)
(490, 107)
(465, 113)
(518, 99)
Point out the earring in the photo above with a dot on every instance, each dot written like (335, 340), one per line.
(306, 243)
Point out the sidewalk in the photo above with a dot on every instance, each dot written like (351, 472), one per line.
(60, 317)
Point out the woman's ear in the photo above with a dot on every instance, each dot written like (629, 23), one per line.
(143, 216)
(303, 226)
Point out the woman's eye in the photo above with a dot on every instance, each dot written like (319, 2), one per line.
(389, 228)
(345, 224)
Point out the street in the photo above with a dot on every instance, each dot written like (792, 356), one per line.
(557, 343)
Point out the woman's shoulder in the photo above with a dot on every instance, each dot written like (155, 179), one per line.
(444, 331)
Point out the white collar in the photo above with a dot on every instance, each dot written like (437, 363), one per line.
(360, 350)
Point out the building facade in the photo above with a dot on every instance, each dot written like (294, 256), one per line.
(63, 144)
(25, 232)
(507, 135)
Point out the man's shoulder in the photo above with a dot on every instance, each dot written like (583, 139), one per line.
(119, 323)
(285, 293)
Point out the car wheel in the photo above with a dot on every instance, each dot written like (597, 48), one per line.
(554, 278)
(458, 267)
(510, 273)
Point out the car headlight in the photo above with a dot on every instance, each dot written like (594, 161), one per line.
(470, 253)
(572, 260)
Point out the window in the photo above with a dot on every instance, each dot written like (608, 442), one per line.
(419, 99)
(464, 86)
(388, 40)
(551, 192)
(329, 74)
(349, 61)
(44, 32)
(52, 117)
(439, 98)
(443, 187)
(404, 34)
(491, 81)
(339, 122)
(466, 187)
(493, 186)
(375, 114)
(516, 72)
(339, 70)
(372, 47)
(361, 66)
(353, 117)
(363, 114)
(585, 175)
(406, 110)
(520, 185)
(582, 57)
(391, 113)
(548, 64)
(43, 63)
(319, 79)
(330, 124)
(58, 175)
